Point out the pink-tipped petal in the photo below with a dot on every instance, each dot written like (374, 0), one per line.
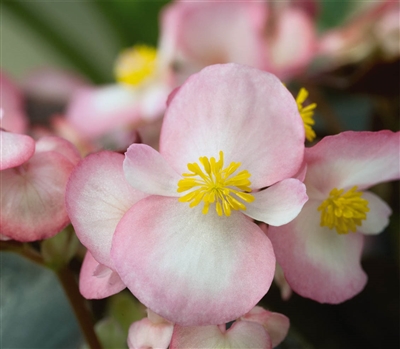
(242, 334)
(246, 113)
(278, 204)
(97, 197)
(15, 149)
(377, 216)
(59, 145)
(94, 111)
(319, 263)
(146, 170)
(97, 285)
(32, 197)
(190, 268)
(13, 117)
(277, 325)
(349, 159)
(146, 334)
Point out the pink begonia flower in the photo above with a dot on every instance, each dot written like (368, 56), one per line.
(209, 265)
(151, 332)
(139, 97)
(320, 250)
(33, 181)
(97, 198)
(278, 39)
(13, 117)
(258, 328)
(197, 34)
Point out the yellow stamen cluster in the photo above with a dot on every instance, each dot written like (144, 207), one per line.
(213, 184)
(306, 113)
(343, 211)
(135, 65)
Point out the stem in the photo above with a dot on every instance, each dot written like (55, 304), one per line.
(23, 249)
(79, 306)
(56, 40)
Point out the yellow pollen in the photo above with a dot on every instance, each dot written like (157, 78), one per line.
(343, 211)
(134, 65)
(215, 184)
(306, 113)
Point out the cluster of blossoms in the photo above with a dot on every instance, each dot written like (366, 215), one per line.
(194, 229)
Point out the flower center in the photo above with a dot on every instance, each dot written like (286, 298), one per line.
(215, 184)
(306, 113)
(135, 65)
(343, 211)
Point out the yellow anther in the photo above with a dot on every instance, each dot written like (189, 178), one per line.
(306, 113)
(343, 211)
(134, 65)
(213, 184)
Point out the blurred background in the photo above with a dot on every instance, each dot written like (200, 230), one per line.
(85, 37)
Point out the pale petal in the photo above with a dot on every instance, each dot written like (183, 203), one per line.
(94, 111)
(246, 113)
(93, 286)
(145, 169)
(146, 334)
(378, 215)
(350, 159)
(319, 263)
(15, 149)
(97, 197)
(242, 334)
(278, 204)
(32, 197)
(190, 268)
(277, 325)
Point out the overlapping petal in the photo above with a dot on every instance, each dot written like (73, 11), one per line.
(32, 197)
(278, 204)
(97, 197)
(349, 159)
(146, 170)
(377, 216)
(319, 263)
(15, 149)
(59, 145)
(96, 281)
(246, 113)
(190, 268)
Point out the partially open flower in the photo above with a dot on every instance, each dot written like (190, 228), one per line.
(320, 250)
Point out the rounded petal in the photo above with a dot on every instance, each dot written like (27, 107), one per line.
(15, 149)
(190, 268)
(198, 34)
(97, 197)
(350, 159)
(242, 334)
(319, 263)
(246, 113)
(277, 325)
(378, 215)
(59, 145)
(94, 111)
(96, 281)
(145, 169)
(278, 204)
(146, 334)
(32, 197)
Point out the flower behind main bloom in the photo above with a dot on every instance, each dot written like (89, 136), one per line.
(190, 266)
